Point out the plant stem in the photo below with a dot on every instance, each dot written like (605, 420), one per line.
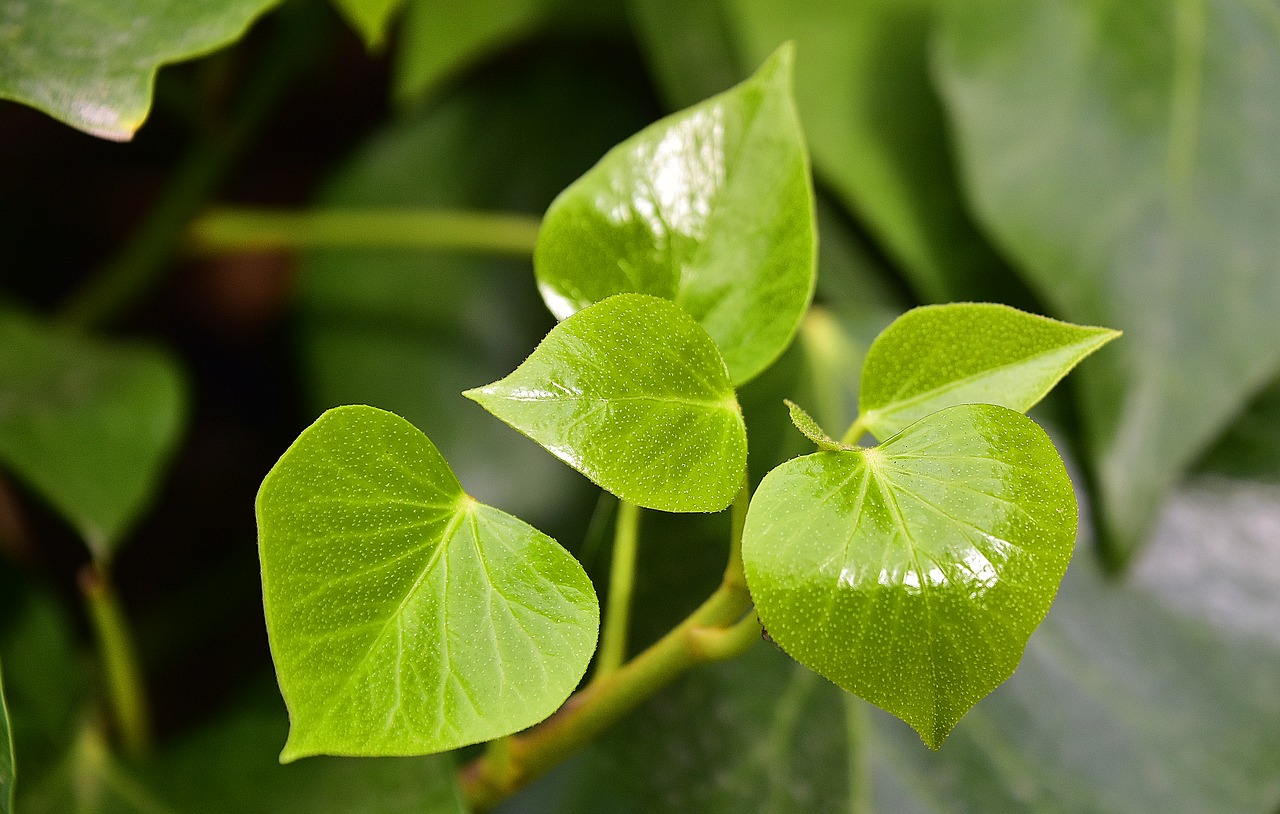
(120, 663)
(146, 255)
(223, 230)
(720, 629)
(855, 432)
(622, 577)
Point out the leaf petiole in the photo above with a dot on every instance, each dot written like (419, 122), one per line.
(119, 660)
(622, 575)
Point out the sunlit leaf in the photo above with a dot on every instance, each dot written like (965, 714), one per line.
(371, 18)
(632, 393)
(405, 617)
(711, 208)
(1124, 157)
(912, 574)
(92, 63)
(88, 424)
(964, 353)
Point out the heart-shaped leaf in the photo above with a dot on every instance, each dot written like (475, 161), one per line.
(912, 574)
(633, 394)
(711, 207)
(6, 756)
(404, 617)
(87, 424)
(938, 356)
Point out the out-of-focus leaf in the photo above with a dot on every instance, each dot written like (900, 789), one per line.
(1250, 448)
(873, 121)
(405, 617)
(711, 207)
(88, 424)
(691, 47)
(410, 330)
(913, 573)
(937, 356)
(439, 38)
(7, 763)
(633, 394)
(92, 63)
(1125, 157)
(371, 18)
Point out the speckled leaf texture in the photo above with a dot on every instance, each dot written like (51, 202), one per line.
(633, 394)
(913, 573)
(712, 208)
(92, 63)
(938, 356)
(404, 617)
(87, 424)
(6, 755)
(1125, 156)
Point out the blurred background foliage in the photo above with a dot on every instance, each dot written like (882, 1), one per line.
(1113, 163)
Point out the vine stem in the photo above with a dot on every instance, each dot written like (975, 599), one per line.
(125, 686)
(855, 432)
(223, 230)
(720, 628)
(622, 577)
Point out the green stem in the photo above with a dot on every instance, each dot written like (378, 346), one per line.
(120, 663)
(223, 230)
(622, 577)
(146, 256)
(855, 432)
(720, 629)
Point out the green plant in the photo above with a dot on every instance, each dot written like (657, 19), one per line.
(408, 618)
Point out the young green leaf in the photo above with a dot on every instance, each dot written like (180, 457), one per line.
(937, 356)
(711, 207)
(404, 617)
(913, 573)
(810, 428)
(87, 424)
(92, 63)
(7, 763)
(633, 394)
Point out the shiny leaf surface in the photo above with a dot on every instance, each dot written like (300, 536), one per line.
(405, 617)
(1124, 157)
(633, 394)
(92, 63)
(7, 763)
(87, 424)
(912, 573)
(967, 353)
(711, 208)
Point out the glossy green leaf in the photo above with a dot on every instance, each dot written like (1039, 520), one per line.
(405, 617)
(966, 353)
(370, 18)
(633, 394)
(1124, 156)
(92, 63)
(711, 207)
(912, 573)
(7, 764)
(88, 424)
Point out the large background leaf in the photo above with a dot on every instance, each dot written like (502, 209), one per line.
(1125, 156)
(88, 424)
(92, 63)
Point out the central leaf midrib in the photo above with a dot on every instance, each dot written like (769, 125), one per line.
(727, 404)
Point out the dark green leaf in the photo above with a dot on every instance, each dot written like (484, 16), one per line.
(1250, 448)
(711, 207)
(88, 424)
(912, 573)
(632, 393)
(405, 617)
(7, 764)
(938, 356)
(1124, 156)
(92, 63)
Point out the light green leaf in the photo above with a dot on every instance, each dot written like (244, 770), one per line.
(808, 427)
(711, 208)
(1125, 157)
(92, 63)
(87, 424)
(912, 574)
(405, 617)
(632, 394)
(964, 353)
(371, 18)
(7, 763)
